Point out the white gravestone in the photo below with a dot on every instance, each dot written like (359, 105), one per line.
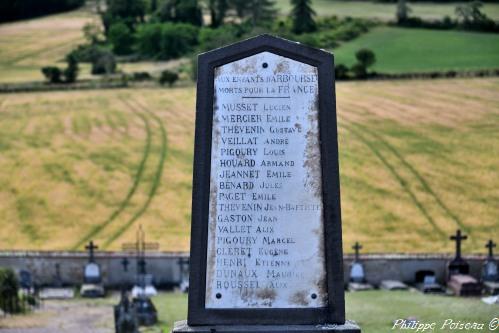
(265, 235)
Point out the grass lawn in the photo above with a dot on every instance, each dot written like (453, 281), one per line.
(81, 165)
(384, 11)
(422, 50)
(374, 311)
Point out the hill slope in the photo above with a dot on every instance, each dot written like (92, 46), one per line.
(401, 50)
(418, 160)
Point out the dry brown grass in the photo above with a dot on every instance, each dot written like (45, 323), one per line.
(418, 160)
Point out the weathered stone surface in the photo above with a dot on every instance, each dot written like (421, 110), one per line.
(265, 236)
(348, 327)
(464, 285)
(92, 290)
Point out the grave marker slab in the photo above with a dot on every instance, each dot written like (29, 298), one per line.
(358, 281)
(266, 223)
(92, 277)
(490, 273)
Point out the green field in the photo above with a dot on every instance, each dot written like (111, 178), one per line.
(384, 11)
(416, 164)
(421, 50)
(374, 311)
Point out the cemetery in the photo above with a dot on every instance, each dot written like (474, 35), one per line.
(248, 166)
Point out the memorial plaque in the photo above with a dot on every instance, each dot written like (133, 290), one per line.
(266, 224)
(265, 217)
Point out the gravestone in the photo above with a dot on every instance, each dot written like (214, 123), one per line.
(357, 280)
(464, 285)
(426, 282)
(266, 252)
(26, 280)
(458, 278)
(92, 277)
(490, 274)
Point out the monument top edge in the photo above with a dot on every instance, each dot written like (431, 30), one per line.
(262, 43)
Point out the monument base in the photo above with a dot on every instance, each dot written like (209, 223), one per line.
(348, 327)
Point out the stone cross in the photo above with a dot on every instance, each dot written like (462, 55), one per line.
(140, 246)
(458, 238)
(490, 245)
(357, 247)
(91, 247)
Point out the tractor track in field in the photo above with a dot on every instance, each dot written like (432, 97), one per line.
(157, 176)
(398, 177)
(426, 186)
(137, 179)
(31, 54)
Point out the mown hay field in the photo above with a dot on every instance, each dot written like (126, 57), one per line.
(418, 160)
(28, 45)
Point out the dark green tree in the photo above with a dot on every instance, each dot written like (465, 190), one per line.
(365, 59)
(403, 11)
(121, 38)
(9, 291)
(218, 10)
(186, 11)
(168, 77)
(71, 71)
(261, 12)
(470, 13)
(240, 6)
(154, 6)
(303, 16)
(103, 63)
(52, 74)
(340, 72)
(130, 12)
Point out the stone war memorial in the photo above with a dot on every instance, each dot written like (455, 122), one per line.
(266, 243)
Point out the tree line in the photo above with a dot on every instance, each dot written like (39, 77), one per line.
(11, 10)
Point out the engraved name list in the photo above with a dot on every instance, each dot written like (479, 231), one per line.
(265, 217)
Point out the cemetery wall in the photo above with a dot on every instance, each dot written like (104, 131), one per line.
(166, 270)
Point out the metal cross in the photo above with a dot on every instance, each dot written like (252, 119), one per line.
(91, 247)
(458, 238)
(357, 247)
(490, 245)
(125, 263)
